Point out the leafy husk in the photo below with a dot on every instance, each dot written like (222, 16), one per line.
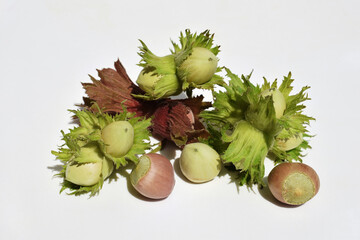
(247, 125)
(293, 122)
(247, 147)
(247, 151)
(164, 67)
(89, 133)
(181, 52)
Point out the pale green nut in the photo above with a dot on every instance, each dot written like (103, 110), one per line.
(199, 162)
(289, 143)
(278, 99)
(147, 81)
(107, 168)
(200, 66)
(94, 167)
(159, 85)
(118, 137)
(88, 174)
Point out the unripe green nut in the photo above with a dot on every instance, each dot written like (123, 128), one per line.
(199, 162)
(200, 66)
(147, 80)
(289, 143)
(107, 168)
(278, 99)
(118, 137)
(88, 174)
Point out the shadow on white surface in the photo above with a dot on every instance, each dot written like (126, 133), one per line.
(229, 170)
(168, 150)
(55, 168)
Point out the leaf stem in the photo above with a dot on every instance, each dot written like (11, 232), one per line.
(189, 92)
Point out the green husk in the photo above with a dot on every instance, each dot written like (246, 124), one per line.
(88, 133)
(162, 67)
(247, 123)
(247, 151)
(248, 126)
(181, 52)
(293, 122)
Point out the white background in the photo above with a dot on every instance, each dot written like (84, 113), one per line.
(48, 47)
